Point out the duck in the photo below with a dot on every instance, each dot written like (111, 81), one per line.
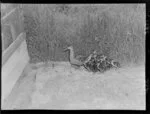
(114, 63)
(72, 59)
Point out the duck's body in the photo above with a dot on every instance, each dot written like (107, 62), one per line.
(72, 59)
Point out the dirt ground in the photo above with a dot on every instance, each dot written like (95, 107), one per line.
(61, 86)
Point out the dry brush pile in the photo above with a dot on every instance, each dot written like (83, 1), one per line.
(118, 31)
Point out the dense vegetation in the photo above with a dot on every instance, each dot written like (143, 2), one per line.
(118, 31)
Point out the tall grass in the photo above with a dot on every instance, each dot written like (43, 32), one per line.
(118, 31)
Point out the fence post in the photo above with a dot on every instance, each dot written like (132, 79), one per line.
(13, 32)
(13, 19)
(3, 47)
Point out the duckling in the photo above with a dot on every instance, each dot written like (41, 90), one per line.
(100, 58)
(116, 64)
(91, 63)
(113, 63)
(99, 62)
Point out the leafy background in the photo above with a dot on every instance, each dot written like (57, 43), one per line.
(116, 30)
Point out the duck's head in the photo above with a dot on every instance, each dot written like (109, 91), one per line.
(68, 48)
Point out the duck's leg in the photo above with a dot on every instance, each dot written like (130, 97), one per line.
(86, 67)
(75, 66)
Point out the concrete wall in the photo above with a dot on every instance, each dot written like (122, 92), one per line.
(17, 59)
(12, 24)
(15, 55)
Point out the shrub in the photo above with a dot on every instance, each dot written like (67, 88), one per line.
(119, 30)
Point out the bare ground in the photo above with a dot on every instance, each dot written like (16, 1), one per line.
(64, 87)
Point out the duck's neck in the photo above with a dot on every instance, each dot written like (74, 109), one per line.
(71, 54)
